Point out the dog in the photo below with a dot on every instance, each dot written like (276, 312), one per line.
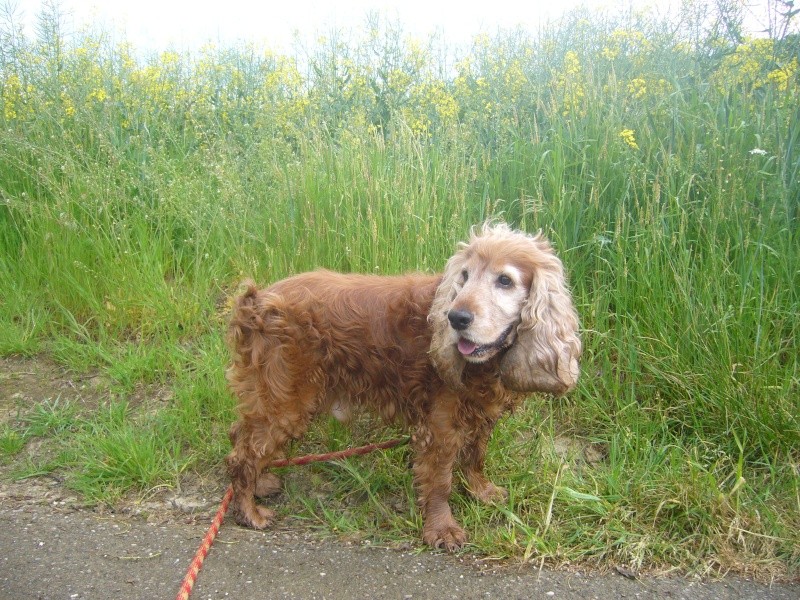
(446, 355)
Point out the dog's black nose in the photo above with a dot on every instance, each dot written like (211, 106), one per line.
(460, 319)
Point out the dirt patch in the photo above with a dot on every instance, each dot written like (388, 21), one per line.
(25, 382)
(28, 383)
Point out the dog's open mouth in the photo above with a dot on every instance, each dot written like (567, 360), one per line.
(470, 349)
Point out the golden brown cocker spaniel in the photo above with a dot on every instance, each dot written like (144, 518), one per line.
(446, 355)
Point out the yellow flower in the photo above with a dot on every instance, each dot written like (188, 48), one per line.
(481, 41)
(69, 107)
(170, 59)
(569, 82)
(781, 77)
(609, 54)
(99, 95)
(398, 80)
(515, 78)
(436, 96)
(572, 64)
(752, 65)
(637, 88)
(11, 97)
(628, 137)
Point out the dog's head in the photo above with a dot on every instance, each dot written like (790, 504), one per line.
(503, 296)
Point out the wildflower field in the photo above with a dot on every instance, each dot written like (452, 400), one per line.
(661, 157)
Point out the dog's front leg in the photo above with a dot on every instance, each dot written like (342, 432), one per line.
(436, 445)
(472, 457)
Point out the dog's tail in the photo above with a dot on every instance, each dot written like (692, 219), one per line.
(245, 323)
(255, 324)
(254, 337)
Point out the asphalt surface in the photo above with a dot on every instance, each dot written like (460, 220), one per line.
(68, 553)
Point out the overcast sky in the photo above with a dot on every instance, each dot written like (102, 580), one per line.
(157, 25)
(154, 25)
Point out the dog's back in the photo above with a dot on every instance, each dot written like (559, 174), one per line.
(325, 340)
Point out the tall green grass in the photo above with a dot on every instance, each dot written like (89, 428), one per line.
(662, 160)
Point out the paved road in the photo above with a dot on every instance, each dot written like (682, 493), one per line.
(64, 553)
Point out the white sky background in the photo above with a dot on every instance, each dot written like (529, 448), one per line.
(153, 25)
(157, 25)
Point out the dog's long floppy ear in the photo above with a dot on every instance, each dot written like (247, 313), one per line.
(544, 357)
(443, 352)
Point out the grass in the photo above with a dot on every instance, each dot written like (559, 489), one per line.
(661, 159)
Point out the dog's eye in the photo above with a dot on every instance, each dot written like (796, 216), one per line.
(464, 275)
(505, 281)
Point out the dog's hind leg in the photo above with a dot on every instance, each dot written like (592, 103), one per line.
(255, 443)
(260, 438)
(268, 484)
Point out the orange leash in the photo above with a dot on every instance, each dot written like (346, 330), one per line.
(194, 568)
(191, 575)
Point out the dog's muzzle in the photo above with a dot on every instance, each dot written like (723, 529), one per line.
(469, 348)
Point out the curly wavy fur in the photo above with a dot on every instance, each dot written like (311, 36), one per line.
(445, 355)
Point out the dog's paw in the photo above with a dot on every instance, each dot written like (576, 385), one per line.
(448, 537)
(490, 493)
(267, 485)
(256, 517)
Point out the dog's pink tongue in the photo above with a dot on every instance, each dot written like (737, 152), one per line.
(466, 347)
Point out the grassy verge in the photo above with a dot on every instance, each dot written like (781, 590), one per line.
(661, 160)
